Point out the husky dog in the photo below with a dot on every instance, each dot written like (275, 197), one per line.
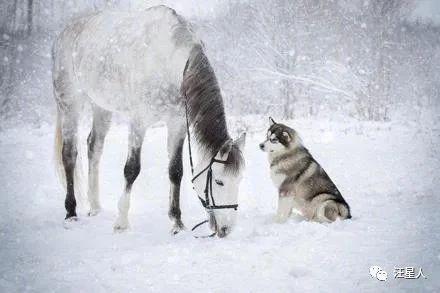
(302, 183)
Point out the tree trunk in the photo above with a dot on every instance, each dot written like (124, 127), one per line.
(30, 6)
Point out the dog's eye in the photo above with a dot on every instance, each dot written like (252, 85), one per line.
(274, 140)
(219, 182)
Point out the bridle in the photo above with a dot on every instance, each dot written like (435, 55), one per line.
(208, 202)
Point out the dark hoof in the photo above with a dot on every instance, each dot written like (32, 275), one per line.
(70, 223)
(177, 228)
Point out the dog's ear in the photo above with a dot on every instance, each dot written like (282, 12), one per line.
(287, 136)
(271, 121)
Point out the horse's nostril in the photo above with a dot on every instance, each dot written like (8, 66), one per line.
(261, 146)
(223, 232)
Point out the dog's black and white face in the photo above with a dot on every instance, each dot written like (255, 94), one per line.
(279, 138)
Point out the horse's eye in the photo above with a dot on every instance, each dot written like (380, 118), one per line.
(219, 182)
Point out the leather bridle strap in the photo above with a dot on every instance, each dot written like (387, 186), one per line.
(200, 224)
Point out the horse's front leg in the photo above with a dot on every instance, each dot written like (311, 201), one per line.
(176, 137)
(131, 171)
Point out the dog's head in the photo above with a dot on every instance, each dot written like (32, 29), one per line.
(279, 138)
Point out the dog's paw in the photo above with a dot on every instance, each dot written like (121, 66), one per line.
(280, 219)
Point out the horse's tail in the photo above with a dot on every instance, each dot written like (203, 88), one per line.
(58, 152)
(59, 166)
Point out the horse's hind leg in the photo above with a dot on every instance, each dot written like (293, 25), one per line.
(69, 129)
(131, 171)
(176, 137)
(95, 143)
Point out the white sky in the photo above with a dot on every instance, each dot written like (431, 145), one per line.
(428, 10)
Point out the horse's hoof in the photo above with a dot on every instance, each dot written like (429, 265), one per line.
(93, 212)
(177, 228)
(120, 225)
(69, 223)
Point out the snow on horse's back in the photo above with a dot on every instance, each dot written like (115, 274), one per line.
(118, 59)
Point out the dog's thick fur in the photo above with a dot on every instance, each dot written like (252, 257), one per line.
(302, 183)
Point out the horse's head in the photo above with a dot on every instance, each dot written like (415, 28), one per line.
(219, 184)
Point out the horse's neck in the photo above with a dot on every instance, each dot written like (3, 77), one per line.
(205, 103)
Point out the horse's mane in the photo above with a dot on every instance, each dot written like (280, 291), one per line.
(205, 107)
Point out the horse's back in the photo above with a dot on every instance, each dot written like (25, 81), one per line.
(124, 60)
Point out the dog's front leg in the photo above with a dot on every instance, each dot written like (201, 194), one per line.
(285, 206)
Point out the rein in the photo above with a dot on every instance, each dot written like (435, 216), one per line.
(208, 202)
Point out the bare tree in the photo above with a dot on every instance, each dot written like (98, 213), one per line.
(30, 6)
(383, 18)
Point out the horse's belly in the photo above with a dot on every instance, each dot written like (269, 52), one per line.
(152, 99)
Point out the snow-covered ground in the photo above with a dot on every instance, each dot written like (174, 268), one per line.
(388, 173)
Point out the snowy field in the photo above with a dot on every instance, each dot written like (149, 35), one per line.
(388, 173)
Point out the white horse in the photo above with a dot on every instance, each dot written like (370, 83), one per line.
(149, 66)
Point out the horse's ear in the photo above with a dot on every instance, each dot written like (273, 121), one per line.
(241, 141)
(271, 121)
(223, 153)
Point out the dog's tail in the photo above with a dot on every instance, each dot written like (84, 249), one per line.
(344, 211)
(332, 210)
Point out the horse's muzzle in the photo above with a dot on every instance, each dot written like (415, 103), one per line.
(220, 231)
(223, 231)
